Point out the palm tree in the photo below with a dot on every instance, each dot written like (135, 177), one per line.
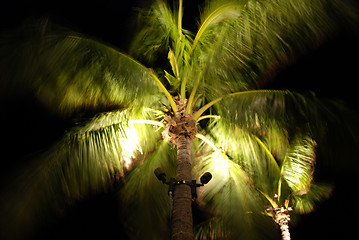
(274, 167)
(211, 84)
(294, 184)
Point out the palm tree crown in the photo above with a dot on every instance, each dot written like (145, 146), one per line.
(259, 144)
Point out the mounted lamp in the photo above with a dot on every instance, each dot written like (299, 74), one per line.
(161, 176)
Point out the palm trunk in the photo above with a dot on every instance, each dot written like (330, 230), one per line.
(285, 231)
(282, 219)
(182, 222)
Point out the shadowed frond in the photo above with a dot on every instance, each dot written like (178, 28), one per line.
(341, 137)
(213, 228)
(70, 72)
(159, 30)
(217, 228)
(161, 35)
(248, 107)
(258, 110)
(306, 203)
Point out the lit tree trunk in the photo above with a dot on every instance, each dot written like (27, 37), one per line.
(182, 222)
(285, 231)
(282, 219)
(181, 130)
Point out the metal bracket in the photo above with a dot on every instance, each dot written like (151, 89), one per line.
(206, 177)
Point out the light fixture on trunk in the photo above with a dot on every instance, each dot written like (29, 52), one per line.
(161, 176)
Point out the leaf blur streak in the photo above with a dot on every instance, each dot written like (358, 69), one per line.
(208, 116)
(270, 200)
(210, 143)
(212, 16)
(210, 104)
(180, 14)
(298, 165)
(193, 93)
(269, 154)
(151, 122)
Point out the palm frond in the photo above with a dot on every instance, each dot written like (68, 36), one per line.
(239, 165)
(147, 200)
(89, 159)
(250, 151)
(254, 39)
(298, 165)
(160, 35)
(70, 72)
(277, 141)
(159, 29)
(306, 203)
(213, 228)
(229, 196)
(111, 141)
(257, 108)
(218, 228)
(215, 13)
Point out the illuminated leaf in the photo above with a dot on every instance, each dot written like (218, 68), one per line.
(229, 196)
(249, 151)
(90, 158)
(298, 165)
(145, 196)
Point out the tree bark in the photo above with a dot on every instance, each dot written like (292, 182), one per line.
(182, 222)
(285, 231)
(282, 219)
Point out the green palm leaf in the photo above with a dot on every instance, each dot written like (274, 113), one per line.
(247, 150)
(89, 159)
(260, 110)
(108, 146)
(161, 35)
(147, 197)
(70, 72)
(298, 165)
(159, 30)
(306, 203)
(228, 195)
(214, 14)
(213, 228)
(240, 42)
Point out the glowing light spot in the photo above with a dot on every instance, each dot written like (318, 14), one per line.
(130, 144)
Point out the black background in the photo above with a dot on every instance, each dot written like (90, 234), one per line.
(330, 71)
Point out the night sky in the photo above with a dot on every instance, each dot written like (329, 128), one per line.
(330, 71)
